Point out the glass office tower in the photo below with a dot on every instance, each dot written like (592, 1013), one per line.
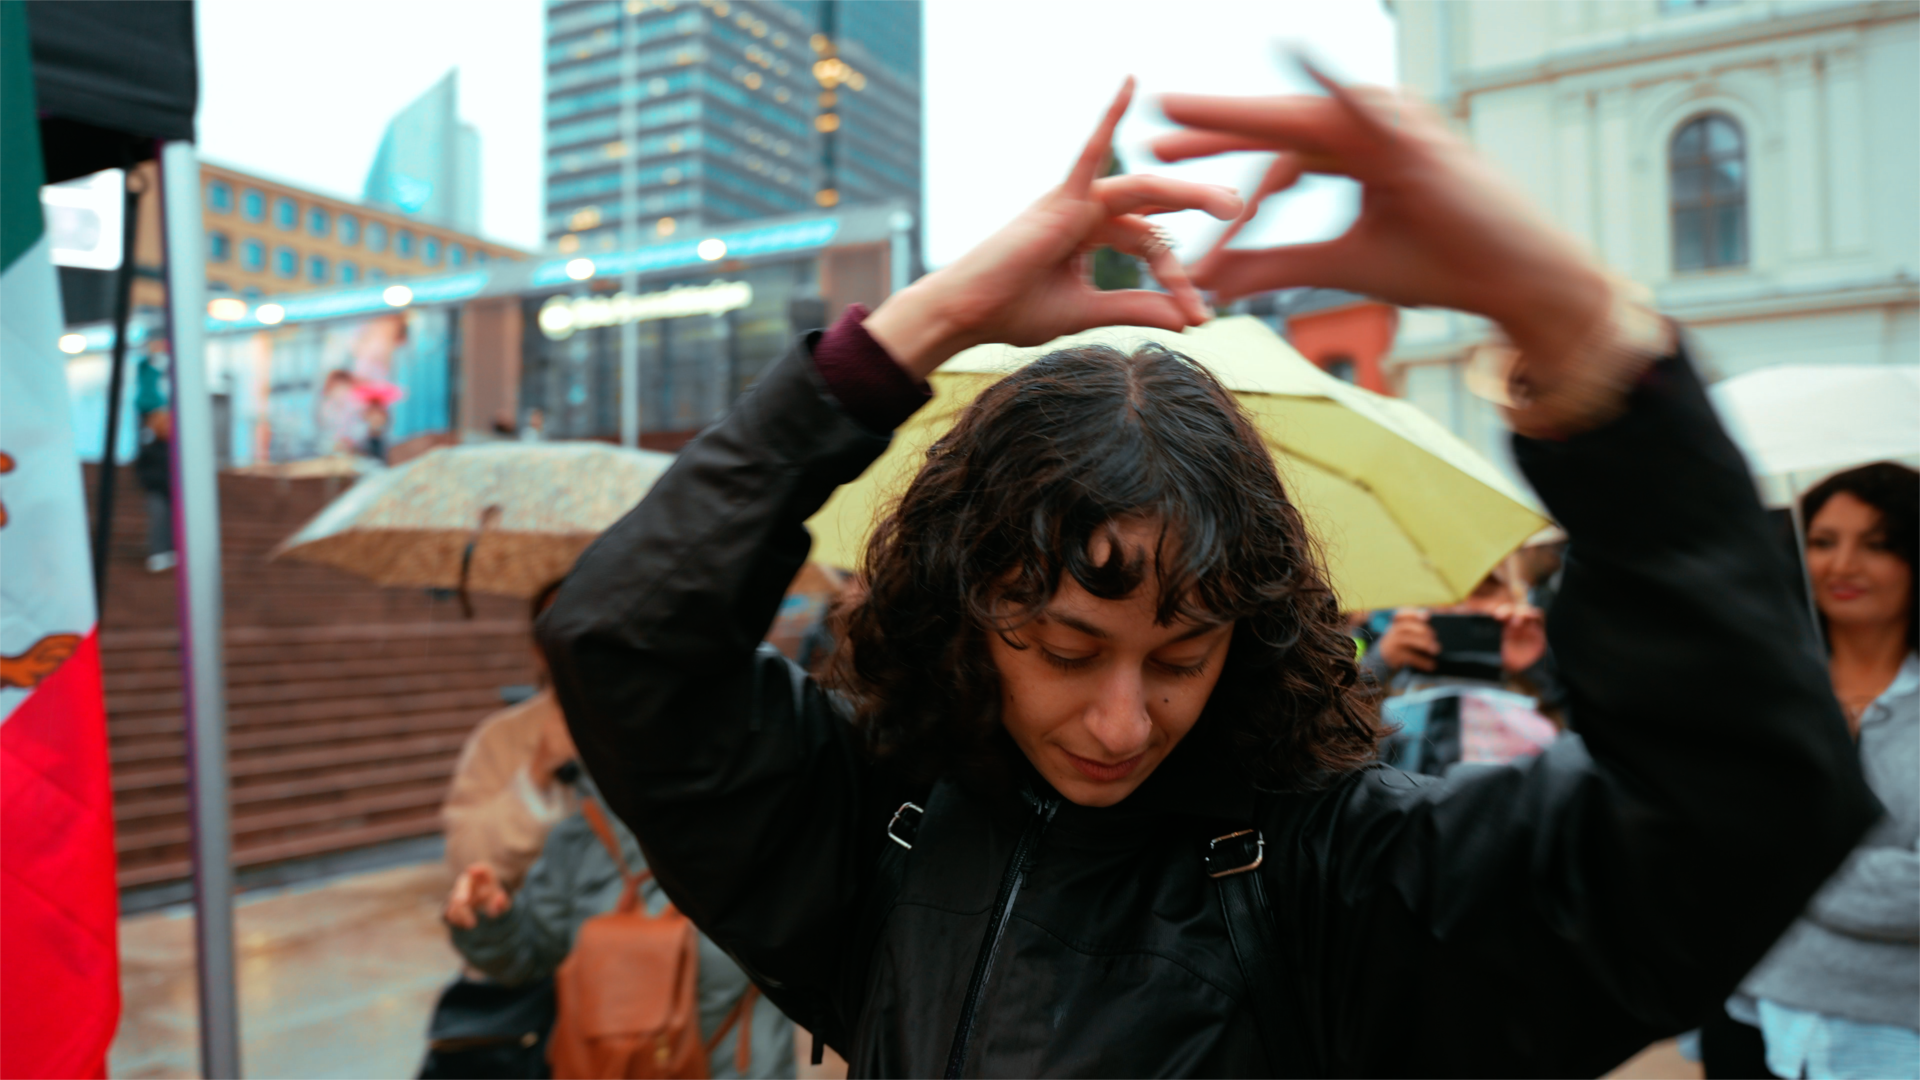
(428, 164)
(664, 115)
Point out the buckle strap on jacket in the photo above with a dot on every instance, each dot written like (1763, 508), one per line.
(1230, 860)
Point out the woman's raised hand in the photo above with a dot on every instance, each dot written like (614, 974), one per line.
(1438, 225)
(1028, 283)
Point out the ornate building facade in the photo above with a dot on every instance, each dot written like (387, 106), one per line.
(1754, 163)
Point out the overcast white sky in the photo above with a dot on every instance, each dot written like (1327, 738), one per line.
(302, 92)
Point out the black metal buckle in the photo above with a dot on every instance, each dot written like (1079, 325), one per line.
(910, 825)
(1245, 850)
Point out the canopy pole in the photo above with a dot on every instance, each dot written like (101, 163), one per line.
(196, 536)
(116, 381)
(1806, 572)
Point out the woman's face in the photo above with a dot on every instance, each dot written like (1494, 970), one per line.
(1096, 693)
(1857, 580)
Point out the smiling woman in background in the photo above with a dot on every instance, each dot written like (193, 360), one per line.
(1838, 996)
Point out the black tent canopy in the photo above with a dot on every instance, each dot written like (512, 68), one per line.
(111, 77)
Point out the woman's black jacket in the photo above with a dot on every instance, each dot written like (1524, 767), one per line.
(1545, 919)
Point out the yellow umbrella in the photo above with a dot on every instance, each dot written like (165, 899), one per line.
(1406, 513)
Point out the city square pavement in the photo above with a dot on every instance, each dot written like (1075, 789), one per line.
(337, 978)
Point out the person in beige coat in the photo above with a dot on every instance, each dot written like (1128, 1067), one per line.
(510, 786)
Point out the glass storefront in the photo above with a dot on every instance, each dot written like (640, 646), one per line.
(702, 339)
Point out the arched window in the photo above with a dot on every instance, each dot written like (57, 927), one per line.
(1708, 169)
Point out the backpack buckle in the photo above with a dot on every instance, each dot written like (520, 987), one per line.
(1235, 853)
(907, 823)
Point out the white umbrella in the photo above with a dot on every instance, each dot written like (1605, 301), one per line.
(1798, 423)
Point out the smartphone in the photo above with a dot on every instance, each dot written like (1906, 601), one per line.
(1469, 646)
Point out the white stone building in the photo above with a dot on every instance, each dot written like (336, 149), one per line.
(1756, 163)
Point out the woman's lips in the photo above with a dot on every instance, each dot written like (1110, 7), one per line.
(1846, 592)
(1101, 771)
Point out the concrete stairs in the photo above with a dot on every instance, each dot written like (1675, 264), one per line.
(347, 703)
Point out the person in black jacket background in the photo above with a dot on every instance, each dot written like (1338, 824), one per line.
(1093, 792)
(153, 468)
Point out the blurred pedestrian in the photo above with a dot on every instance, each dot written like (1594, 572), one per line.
(1839, 996)
(1091, 788)
(512, 783)
(523, 937)
(153, 468)
(377, 418)
(535, 429)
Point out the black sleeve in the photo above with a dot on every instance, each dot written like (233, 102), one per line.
(1551, 919)
(741, 778)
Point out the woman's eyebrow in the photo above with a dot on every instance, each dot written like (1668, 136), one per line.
(1091, 630)
(1072, 623)
(1199, 631)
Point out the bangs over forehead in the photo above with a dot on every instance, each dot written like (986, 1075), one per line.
(1059, 453)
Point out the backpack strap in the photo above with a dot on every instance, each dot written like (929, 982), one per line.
(597, 818)
(742, 1015)
(1233, 862)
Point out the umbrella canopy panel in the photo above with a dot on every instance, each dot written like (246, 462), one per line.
(1799, 423)
(1405, 512)
(527, 509)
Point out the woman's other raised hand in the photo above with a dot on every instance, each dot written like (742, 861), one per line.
(1029, 283)
(1438, 225)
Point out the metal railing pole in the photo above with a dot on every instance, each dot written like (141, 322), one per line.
(116, 383)
(196, 536)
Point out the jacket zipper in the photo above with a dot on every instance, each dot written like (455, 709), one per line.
(1043, 810)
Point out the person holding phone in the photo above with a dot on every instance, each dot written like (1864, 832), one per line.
(1091, 786)
(1491, 620)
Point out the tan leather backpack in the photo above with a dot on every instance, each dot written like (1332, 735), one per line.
(629, 1004)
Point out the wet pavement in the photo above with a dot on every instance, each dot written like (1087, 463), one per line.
(337, 978)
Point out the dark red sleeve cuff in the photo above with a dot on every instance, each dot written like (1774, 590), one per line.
(863, 378)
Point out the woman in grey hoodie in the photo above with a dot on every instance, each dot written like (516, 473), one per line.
(525, 936)
(1839, 995)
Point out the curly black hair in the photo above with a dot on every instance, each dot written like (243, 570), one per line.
(1894, 490)
(1006, 505)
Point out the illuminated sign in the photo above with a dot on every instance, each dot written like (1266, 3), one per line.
(560, 316)
(793, 236)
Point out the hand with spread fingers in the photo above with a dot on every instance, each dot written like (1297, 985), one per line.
(1029, 283)
(476, 892)
(1438, 224)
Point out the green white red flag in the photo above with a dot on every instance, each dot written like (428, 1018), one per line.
(59, 963)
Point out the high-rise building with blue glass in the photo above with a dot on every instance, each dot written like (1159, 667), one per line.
(663, 115)
(428, 164)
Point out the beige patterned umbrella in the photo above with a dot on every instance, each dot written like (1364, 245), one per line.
(504, 518)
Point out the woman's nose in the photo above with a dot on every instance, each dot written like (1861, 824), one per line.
(1846, 555)
(1117, 717)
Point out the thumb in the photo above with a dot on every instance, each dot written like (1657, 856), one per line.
(1232, 274)
(1135, 307)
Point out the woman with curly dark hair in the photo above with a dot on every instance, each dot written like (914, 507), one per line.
(1079, 479)
(1090, 788)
